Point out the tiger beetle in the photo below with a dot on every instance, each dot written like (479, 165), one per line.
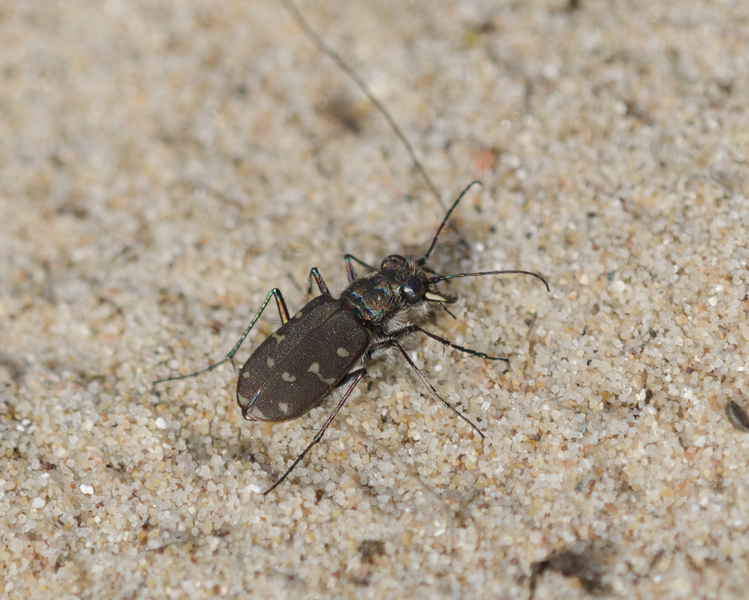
(322, 347)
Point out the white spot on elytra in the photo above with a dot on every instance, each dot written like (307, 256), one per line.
(246, 374)
(283, 407)
(288, 377)
(342, 352)
(278, 338)
(257, 413)
(270, 363)
(315, 368)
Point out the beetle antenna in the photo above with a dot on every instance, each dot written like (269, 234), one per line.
(344, 66)
(422, 261)
(483, 273)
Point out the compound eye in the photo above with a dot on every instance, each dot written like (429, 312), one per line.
(393, 262)
(413, 289)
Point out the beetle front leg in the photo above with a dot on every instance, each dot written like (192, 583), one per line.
(350, 273)
(283, 313)
(353, 377)
(410, 329)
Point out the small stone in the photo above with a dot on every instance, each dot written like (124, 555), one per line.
(737, 416)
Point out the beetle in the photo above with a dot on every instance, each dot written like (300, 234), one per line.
(321, 349)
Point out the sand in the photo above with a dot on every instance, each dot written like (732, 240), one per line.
(164, 165)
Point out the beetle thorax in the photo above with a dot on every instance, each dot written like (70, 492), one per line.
(389, 298)
(372, 299)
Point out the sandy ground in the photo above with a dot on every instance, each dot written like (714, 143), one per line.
(164, 165)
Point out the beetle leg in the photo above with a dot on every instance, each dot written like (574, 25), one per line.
(282, 311)
(409, 329)
(392, 342)
(350, 273)
(317, 276)
(354, 378)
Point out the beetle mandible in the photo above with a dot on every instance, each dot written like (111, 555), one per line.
(323, 346)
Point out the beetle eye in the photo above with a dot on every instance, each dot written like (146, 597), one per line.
(413, 290)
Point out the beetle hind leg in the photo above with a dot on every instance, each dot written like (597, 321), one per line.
(352, 378)
(282, 311)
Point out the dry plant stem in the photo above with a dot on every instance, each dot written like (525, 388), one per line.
(346, 68)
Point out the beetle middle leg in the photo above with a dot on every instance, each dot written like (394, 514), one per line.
(315, 275)
(283, 313)
(352, 378)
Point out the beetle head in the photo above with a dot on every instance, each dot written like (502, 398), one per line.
(411, 281)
